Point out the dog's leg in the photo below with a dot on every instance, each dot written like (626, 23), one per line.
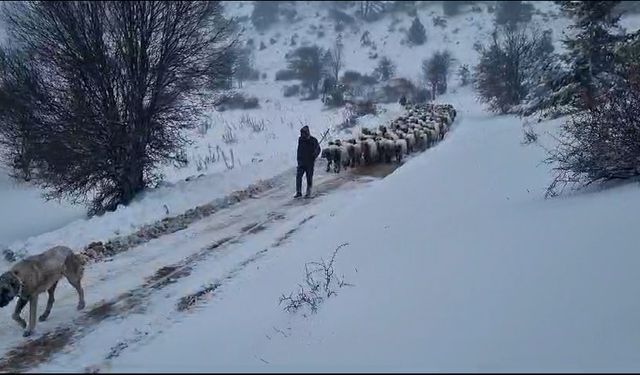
(50, 301)
(33, 310)
(73, 273)
(75, 283)
(16, 314)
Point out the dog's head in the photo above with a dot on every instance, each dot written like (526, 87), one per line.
(9, 288)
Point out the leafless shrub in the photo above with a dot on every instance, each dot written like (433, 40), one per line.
(530, 136)
(256, 126)
(229, 136)
(601, 144)
(204, 126)
(236, 100)
(210, 158)
(320, 283)
(232, 162)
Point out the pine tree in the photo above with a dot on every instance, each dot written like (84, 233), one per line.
(417, 34)
(590, 54)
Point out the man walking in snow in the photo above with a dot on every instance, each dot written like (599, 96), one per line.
(308, 151)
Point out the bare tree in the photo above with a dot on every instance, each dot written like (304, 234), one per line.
(123, 79)
(307, 64)
(20, 98)
(507, 68)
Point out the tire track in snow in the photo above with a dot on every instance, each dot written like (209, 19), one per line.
(37, 351)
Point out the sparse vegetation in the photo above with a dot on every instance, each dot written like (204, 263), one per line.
(385, 69)
(292, 90)
(285, 75)
(451, 8)
(236, 100)
(264, 14)
(511, 13)
(320, 283)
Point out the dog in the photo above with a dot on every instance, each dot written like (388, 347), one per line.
(37, 274)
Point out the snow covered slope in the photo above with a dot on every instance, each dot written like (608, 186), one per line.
(457, 264)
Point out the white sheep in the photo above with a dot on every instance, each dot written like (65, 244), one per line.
(370, 151)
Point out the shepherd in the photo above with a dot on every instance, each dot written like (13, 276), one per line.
(308, 151)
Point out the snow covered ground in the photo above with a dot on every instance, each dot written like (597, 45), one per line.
(457, 262)
(458, 265)
(25, 213)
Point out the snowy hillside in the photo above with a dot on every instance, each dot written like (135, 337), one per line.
(452, 262)
(269, 147)
(270, 150)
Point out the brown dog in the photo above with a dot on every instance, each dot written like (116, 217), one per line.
(37, 274)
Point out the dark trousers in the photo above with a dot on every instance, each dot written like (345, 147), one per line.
(304, 170)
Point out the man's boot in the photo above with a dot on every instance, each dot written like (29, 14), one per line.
(308, 194)
(298, 195)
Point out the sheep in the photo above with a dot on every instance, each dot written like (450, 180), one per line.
(344, 160)
(431, 136)
(391, 135)
(370, 151)
(386, 149)
(332, 154)
(400, 149)
(411, 141)
(421, 140)
(354, 150)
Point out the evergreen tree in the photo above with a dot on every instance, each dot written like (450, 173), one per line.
(590, 55)
(417, 34)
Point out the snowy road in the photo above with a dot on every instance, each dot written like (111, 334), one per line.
(168, 276)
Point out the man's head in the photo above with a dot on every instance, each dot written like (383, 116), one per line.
(304, 132)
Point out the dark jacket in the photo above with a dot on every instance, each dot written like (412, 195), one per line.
(308, 151)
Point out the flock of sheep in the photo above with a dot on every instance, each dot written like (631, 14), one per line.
(419, 129)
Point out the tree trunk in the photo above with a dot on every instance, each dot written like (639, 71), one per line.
(132, 180)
